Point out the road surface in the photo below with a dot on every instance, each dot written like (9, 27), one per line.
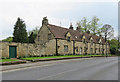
(100, 68)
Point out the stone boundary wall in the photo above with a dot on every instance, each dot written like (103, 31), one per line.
(27, 49)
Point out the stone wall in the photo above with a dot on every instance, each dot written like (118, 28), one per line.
(79, 45)
(42, 36)
(23, 49)
(61, 44)
(49, 48)
(26, 49)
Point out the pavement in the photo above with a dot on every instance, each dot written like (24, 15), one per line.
(99, 68)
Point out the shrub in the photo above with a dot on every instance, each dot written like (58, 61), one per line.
(3, 57)
(45, 55)
(42, 55)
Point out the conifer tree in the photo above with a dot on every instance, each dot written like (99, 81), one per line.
(20, 33)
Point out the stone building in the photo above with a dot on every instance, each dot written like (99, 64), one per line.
(60, 40)
(52, 39)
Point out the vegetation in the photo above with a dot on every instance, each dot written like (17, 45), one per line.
(92, 26)
(32, 34)
(9, 39)
(114, 46)
(20, 33)
(8, 60)
(107, 32)
(61, 56)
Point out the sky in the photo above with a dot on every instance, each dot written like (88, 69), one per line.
(58, 12)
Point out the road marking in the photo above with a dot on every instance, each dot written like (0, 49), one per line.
(48, 64)
(25, 68)
(43, 78)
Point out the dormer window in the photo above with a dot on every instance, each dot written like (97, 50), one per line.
(91, 42)
(49, 36)
(68, 39)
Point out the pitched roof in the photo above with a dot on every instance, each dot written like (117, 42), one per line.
(60, 32)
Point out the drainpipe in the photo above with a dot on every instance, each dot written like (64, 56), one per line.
(56, 47)
(73, 47)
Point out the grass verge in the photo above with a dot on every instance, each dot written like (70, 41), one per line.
(33, 58)
(8, 60)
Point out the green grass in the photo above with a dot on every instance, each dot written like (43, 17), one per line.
(8, 60)
(32, 58)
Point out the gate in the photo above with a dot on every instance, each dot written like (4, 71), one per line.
(12, 51)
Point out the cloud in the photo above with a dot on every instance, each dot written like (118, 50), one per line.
(32, 12)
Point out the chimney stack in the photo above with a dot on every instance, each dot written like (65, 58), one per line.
(71, 26)
(45, 21)
(88, 32)
(78, 29)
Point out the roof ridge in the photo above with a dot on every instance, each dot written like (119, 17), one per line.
(62, 30)
(58, 26)
(65, 28)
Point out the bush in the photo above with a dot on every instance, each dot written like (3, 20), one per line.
(3, 57)
(45, 55)
(42, 55)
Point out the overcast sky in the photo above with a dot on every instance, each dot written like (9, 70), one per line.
(64, 11)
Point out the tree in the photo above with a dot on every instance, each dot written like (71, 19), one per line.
(35, 30)
(20, 33)
(32, 37)
(113, 46)
(84, 24)
(32, 34)
(9, 39)
(95, 26)
(108, 32)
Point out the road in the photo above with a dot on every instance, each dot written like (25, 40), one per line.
(101, 68)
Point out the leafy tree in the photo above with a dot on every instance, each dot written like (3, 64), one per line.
(20, 33)
(84, 24)
(92, 26)
(114, 46)
(95, 25)
(9, 39)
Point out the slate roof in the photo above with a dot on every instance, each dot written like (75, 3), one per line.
(60, 32)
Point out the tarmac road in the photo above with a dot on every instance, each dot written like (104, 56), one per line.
(100, 68)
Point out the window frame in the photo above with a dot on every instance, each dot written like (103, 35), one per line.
(68, 38)
(49, 36)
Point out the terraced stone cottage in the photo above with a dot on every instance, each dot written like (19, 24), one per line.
(52, 39)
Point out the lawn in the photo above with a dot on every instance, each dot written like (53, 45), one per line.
(32, 58)
(8, 60)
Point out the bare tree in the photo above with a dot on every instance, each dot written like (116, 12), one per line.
(108, 33)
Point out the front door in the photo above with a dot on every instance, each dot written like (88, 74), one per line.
(80, 50)
(12, 51)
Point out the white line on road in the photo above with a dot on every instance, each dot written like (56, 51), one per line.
(44, 78)
(49, 64)
(26, 68)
